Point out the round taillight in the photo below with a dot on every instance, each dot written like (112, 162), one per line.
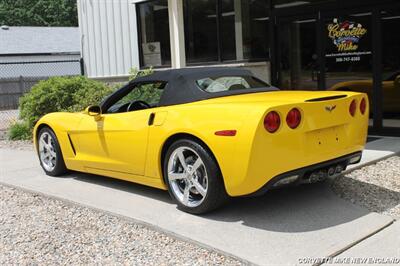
(272, 122)
(353, 108)
(363, 106)
(293, 118)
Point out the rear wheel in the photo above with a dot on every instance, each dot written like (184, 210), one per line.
(193, 177)
(50, 155)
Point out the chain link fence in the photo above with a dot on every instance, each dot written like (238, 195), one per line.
(17, 78)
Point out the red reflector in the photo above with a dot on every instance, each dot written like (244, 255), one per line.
(363, 106)
(228, 133)
(293, 118)
(353, 108)
(272, 122)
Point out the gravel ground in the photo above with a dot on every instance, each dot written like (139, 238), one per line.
(18, 144)
(35, 229)
(376, 187)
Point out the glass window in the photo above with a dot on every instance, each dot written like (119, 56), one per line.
(254, 23)
(391, 67)
(229, 30)
(292, 3)
(154, 29)
(137, 98)
(201, 30)
(239, 27)
(226, 83)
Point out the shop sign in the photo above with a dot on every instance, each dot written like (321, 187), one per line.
(151, 54)
(346, 37)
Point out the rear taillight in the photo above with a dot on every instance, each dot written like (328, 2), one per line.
(272, 122)
(363, 106)
(293, 118)
(353, 108)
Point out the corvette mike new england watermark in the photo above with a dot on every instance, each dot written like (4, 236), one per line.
(350, 260)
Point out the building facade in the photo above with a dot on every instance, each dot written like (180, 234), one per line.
(295, 45)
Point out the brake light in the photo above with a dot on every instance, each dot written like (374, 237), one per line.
(293, 118)
(363, 106)
(353, 108)
(272, 122)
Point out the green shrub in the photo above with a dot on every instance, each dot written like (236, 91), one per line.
(61, 94)
(73, 94)
(19, 131)
(136, 73)
(148, 92)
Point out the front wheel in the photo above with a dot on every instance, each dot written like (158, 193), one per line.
(50, 155)
(193, 177)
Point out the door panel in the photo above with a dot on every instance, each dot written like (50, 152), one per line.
(117, 142)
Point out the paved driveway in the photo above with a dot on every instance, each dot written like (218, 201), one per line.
(280, 227)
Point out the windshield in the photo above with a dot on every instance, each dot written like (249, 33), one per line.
(230, 83)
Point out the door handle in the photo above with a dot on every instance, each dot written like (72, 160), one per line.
(151, 119)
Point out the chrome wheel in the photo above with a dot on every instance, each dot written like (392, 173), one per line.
(187, 176)
(47, 151)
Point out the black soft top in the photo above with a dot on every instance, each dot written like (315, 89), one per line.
(181, 86)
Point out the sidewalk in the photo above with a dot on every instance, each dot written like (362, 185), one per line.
(278, 228)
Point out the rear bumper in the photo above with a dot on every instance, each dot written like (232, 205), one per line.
(311, 174)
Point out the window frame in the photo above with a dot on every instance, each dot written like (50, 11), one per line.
(268, 32)
(220, 61)
(139, 36)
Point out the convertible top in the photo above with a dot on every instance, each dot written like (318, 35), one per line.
(181, 86)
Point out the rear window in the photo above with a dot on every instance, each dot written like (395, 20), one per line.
(230, 83)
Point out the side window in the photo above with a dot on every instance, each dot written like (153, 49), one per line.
(141, 97)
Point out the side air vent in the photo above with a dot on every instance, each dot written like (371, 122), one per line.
(72, 145)
(326, 98)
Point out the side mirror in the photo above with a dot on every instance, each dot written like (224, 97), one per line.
(93, 110)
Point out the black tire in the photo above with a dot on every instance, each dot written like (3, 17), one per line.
(59, 168)
(216, 194)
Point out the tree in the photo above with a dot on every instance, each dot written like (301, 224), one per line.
(38, 13)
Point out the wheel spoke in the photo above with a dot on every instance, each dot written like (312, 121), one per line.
(199, 187)
(182, 159)
(176, 176)
(196, 165)
(48, 154)
(186, 192)
(43, 143)
(52, 153)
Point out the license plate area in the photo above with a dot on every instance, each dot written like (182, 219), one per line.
(326, 139)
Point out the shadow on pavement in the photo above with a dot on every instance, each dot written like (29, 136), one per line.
(374, 198)
(297, 209)
(122, 185)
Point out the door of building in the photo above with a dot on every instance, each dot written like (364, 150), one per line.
(298, 53)
(353, 48)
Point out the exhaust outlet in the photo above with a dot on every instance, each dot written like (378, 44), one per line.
(331, 171)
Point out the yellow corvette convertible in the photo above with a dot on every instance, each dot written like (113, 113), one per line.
(210, 134)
